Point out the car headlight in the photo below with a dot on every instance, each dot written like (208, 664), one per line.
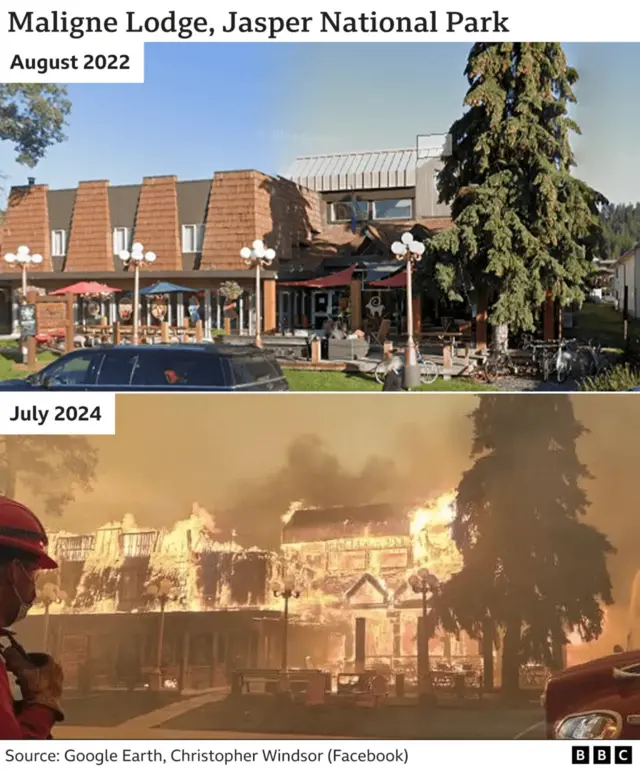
(590, 727)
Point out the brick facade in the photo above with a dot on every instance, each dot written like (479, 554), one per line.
(27, 224)
(157, 224)
(90, 243)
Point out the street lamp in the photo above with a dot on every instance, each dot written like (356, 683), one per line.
(259, 256)
(137, 257)
(286, 592)
(426, 584)
(23, 258)
(49, 594)
(409, 250)
(162, 592)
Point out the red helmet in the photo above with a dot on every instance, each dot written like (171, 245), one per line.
(21, 529)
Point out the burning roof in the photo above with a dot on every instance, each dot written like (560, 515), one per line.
(319, 524)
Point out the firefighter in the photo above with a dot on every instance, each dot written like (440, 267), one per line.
(23, 543)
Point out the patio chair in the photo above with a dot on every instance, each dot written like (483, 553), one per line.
(378, 337)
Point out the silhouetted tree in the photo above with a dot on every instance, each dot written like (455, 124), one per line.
(532, 568)
(52, 468)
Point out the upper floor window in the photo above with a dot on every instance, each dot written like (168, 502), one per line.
(192, 239)
(342, 211)
(58, 243)
(401, 208)
(392, 208)
(121, 239)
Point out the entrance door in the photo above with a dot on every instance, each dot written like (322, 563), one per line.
(285, 315)
(321, 308)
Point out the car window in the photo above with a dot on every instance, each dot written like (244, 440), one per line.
(78, 369)
(180, 368)
(116, 368)
(248, 370)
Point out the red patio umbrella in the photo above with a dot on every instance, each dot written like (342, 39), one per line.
(87, 287)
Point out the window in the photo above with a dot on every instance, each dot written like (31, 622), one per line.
(192, 239)
(58, 243)
(74, 370)
(116, 369)
(342, 211)
(249, 370)
(121, 239)
(393, 209)
(179, 369)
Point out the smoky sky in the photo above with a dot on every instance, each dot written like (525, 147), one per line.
(247, 458)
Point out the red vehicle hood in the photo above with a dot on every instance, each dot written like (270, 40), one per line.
(577, 688)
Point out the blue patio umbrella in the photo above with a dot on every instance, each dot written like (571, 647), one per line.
(164, 287)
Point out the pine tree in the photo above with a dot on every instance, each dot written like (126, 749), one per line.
(524, 226)
(533, 569)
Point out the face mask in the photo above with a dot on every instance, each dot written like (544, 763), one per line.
(24, 607)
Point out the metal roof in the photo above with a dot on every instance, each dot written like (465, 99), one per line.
(380, 170)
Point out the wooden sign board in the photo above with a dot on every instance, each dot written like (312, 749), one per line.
(51, 313)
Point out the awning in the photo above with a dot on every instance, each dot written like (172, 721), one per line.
(397, 281)
(333, 281)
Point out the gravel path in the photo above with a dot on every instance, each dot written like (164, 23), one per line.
(530, 385)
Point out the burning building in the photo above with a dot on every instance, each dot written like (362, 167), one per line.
(126, 598)
(356, 563)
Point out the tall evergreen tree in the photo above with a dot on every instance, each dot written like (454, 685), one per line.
(524, 226)
(533, 569)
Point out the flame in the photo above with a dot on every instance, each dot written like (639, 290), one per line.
(368, 571)
(296, 506)
(430, 531)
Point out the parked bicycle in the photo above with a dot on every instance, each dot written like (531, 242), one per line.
(428, 369)
(495, 363)
(560, 358)
(592, 360)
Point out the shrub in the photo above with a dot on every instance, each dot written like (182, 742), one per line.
(618, 378)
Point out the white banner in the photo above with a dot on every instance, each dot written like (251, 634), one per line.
(103, 42)
(58, 414)
(320, 754)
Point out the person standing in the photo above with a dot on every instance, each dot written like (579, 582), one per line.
(23, 543)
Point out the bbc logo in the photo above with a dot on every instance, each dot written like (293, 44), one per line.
(601, 755)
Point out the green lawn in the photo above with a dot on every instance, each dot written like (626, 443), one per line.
(11, 368)
(603, 323)
(311, 381)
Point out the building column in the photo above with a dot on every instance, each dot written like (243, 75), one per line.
(361, 644)
(218, 312)
(269, 308)
(355, 301)
(184, 678)
(417, 316)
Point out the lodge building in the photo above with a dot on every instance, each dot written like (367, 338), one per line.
(331, 220)
(350, 566)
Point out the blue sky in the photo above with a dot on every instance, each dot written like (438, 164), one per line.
(212, 107)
